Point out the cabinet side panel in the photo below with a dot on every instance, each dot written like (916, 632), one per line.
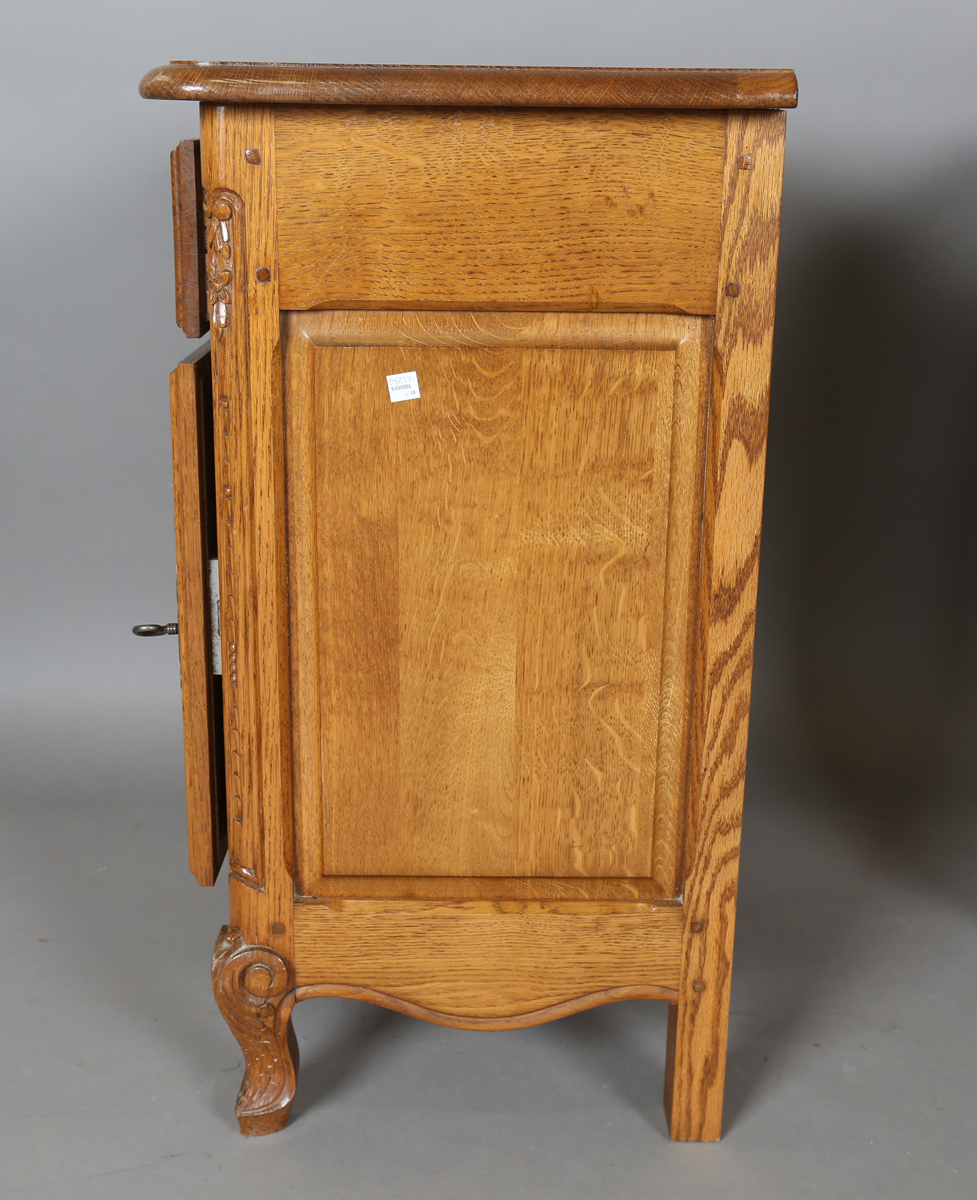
(499, 209)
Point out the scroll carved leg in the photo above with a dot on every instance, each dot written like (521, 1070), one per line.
(253, 989)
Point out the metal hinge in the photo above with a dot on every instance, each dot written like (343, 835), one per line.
(215, 618)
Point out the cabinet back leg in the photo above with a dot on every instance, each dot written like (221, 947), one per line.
(254, 990)
(695, 1070)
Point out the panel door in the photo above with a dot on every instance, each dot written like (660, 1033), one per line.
(493, 588)
(192, 418)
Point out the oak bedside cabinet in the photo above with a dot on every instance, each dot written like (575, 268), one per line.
(468, 479)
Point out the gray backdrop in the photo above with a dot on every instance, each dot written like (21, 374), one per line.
(858, 906)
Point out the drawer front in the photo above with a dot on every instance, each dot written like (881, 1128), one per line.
(188, 240)
(566, 210)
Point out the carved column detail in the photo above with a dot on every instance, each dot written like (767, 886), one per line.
(224, 210)
(254, 991)
(220, 208)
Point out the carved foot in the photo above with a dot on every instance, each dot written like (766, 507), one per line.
(253, 988)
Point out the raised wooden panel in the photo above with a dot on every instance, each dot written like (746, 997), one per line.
(492, 592)
(488, 963)
(499, 209)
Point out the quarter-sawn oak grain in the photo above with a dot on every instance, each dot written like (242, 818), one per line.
(499, 209)
(488, 960)
(491, 591)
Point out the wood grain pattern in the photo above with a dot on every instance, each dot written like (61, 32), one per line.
(578, 87)
(499, 209)
(488, 960)
(461, 887)
(731, 545)
(191, 414)
(250, 479)
(233, 487)
(516, 626)
(479, 620)
(188, 239)
(253, 989)
(526, 1020)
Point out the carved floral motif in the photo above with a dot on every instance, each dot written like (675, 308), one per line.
(220, 207)
(253, 989)
(247, 875)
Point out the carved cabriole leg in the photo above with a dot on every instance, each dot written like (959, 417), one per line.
(254, 990)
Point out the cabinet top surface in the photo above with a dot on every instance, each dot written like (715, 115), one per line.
(535, 87)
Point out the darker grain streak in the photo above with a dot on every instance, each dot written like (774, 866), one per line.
(726, 598)
(746, 424)
(724, 745)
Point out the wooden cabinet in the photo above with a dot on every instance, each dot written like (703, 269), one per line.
(478, 448)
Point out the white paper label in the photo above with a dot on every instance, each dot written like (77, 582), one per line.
(403, 386)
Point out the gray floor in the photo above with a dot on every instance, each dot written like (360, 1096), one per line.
(852, 1048)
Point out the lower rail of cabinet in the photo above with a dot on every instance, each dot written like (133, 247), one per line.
(468, 964)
